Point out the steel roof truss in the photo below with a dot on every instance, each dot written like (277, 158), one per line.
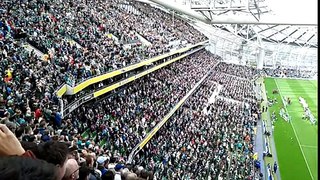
(278, 32)
(290, 34)
(270, 27)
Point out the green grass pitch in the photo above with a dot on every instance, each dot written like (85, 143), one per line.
(296, 142)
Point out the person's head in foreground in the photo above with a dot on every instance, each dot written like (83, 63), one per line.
(55, 153)
(22, 168)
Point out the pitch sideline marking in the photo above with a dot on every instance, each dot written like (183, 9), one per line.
(295, 133)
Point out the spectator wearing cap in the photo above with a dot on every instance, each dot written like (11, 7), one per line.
(103, 162)
(117, 168)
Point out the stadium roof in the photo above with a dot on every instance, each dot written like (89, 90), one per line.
(303, 36)
(286, 30)
(285, 21)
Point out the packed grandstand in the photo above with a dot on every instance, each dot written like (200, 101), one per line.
(45, 45)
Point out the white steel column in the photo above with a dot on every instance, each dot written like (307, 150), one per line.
(212, 45)
(260, 58)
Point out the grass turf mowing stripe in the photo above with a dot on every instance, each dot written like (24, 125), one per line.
(311, 96)
(289, 154)
(306, 132)
(304, 89)
(307, 146)
(291, 123)
(301, 85)
(314, 83)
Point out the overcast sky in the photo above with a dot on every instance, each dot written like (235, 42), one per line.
(305, 10)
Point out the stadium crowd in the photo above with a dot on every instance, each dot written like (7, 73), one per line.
(28, 105)
(81, 39)
(204, 140)
(237, 70)
(117, 120)
(290, 73)
(59, 160)
(235, 88)
(124, 118)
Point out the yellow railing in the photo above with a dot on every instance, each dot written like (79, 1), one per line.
(72, 106)
(62, 90)
(132, 78)
(99, 78)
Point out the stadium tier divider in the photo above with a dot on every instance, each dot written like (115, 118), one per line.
(90, 96)
(68, 90)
